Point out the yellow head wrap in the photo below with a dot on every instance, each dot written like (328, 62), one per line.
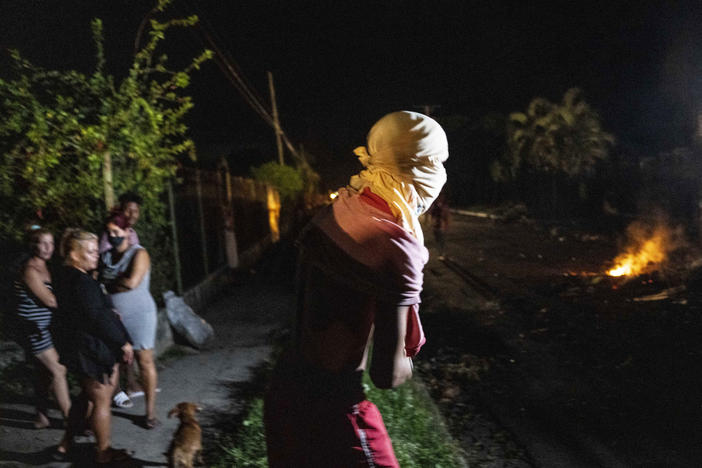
(403, 165)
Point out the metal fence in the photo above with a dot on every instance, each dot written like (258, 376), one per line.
(218, 219)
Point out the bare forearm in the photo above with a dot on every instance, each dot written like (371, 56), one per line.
(401, 372)
(390, 366)
(39, 289)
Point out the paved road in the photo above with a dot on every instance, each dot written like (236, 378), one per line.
(243, 323)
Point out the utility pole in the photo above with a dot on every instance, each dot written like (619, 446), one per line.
(174, 233)
(107, 183)
(276, 122)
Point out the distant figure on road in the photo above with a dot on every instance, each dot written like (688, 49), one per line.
(35, 305)
(91, 340)
(440, 217)
(359, 279)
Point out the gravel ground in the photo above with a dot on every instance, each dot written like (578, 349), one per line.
(538, 359)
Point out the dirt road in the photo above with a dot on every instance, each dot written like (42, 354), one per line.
(538, 359)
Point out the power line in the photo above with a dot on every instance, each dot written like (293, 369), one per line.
(235, 76)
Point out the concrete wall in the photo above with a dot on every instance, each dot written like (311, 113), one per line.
(207, 291)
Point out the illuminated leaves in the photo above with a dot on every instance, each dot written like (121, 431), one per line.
(286, 179)
(57, 126)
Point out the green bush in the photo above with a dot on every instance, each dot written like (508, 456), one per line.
(69, 141)
(286, 179)
(247, 447)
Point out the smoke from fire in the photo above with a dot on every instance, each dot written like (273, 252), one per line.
(647, 248)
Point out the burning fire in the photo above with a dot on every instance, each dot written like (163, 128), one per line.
(635, 262)
(648, 248)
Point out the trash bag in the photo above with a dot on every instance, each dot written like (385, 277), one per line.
(186, 323)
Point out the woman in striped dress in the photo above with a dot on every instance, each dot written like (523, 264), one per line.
(35, 301)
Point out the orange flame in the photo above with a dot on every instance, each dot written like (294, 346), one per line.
(648, 249)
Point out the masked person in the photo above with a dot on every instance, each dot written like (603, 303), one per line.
(125, 270)
(129, 206)
(359, 279)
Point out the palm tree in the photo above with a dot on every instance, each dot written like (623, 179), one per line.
(556, 142)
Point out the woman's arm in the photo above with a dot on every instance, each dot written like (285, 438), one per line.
(92, 308)
(32, 278)
(390, 366)
(140, 265)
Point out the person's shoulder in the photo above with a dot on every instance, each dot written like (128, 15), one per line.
(407, 250)
(67, 279)
(140, 252)
(139, 249)
(85, 283)
(32, 264)
(75, 276)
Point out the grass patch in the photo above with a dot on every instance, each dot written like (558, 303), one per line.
(246, 447)
(418, 434)
(417, 431)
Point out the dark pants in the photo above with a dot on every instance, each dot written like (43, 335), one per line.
(307, 426)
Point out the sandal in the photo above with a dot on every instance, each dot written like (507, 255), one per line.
(135, 394)
(121, 400)
(138, 393)
(112, 455)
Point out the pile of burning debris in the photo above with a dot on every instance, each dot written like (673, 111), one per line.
(656, 262)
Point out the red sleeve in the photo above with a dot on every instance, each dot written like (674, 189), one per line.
(414, 339)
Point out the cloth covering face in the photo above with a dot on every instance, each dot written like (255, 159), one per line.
(404, 165)
(104, 244)
(355, 261)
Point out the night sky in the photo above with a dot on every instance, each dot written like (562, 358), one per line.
(339, 66)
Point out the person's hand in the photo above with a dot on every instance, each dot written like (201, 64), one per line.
(127, 353)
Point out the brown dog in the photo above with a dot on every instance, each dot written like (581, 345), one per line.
(186, 446)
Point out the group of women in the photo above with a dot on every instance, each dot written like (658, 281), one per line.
(95, 314)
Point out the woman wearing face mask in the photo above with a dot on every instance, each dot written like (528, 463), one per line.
(125, 270)
(129, 206)
(35, 303)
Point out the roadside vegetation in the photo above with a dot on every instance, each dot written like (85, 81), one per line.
(416, 428)
(70, 140)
